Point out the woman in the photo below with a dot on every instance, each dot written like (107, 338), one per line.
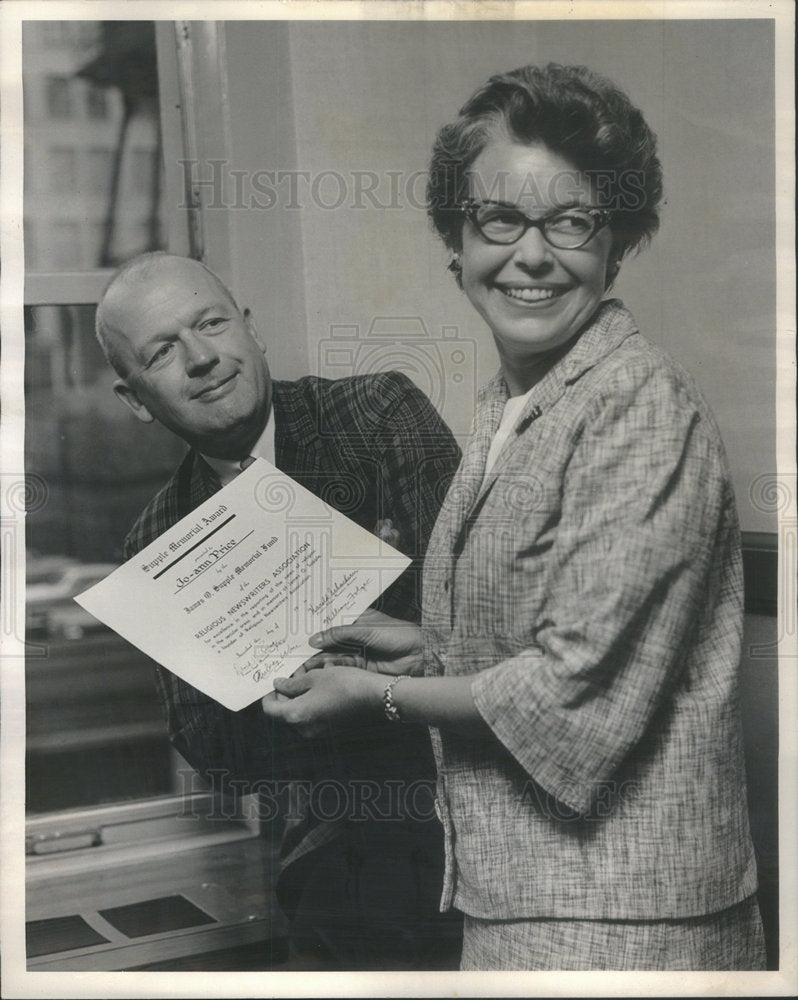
(583, 588)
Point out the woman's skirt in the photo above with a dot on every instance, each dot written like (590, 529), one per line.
(730, 940)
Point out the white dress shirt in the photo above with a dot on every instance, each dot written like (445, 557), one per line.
(227, 469)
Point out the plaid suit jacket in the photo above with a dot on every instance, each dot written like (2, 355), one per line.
(373, 447)
(593, 587)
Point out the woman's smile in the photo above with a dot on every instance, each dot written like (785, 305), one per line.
(532, 295)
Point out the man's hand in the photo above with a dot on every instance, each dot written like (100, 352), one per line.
(313, 702)
(376, 642)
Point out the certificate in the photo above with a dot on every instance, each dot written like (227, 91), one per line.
(228, 598)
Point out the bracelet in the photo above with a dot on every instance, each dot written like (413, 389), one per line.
(391, 710)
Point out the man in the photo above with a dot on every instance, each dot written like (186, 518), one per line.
(360, 889)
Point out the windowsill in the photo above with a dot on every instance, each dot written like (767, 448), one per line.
(87, 835)
(145, 858)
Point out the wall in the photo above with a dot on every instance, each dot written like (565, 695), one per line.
(355, 105)
(266, 248)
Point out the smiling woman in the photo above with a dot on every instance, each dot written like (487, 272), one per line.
(582, 587)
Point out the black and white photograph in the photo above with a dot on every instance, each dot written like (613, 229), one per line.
(398, 499)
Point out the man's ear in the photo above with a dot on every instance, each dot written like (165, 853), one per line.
(249, 322)
(129, 398)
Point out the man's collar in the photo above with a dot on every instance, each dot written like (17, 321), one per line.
(227, 469)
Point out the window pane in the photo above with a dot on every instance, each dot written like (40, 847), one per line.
(92, 131)
(100, 165)
(62, 169)
(144, 166)
(96, 102)
(58, 97)
(62, 246)
(95, 730)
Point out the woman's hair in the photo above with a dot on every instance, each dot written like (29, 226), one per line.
(578, 115)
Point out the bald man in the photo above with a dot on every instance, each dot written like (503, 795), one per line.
(360, 885)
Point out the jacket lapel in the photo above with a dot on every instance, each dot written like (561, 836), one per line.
(296, 429)
(543, 397)
(444, 544)
(611, 325)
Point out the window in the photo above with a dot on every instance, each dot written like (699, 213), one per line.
(100, 167)
(61, 251)
(107, 798)
(53, 33)
(96, 102)
(64, 34)
(96, 158)
(62, 170)
(95, 732)
(58, 96)
(143, 167)
(96, 237)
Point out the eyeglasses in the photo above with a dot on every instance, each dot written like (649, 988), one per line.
(567, 229)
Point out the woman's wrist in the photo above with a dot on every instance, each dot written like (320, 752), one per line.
(443, 702)
(372, 690)
(390, 707)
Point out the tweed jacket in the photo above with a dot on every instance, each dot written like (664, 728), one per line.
(592, 585)
(373, 447)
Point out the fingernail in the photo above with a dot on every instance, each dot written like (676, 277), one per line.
(315, 640)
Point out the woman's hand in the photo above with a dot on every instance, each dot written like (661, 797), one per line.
(275, 695)
(376, 642)
(312, 701)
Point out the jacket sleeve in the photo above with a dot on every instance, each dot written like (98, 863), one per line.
(647, 520)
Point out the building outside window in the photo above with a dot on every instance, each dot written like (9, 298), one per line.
(58, 96)
(100, 169)
(143, 166)
(62, 170)
(96, 102)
